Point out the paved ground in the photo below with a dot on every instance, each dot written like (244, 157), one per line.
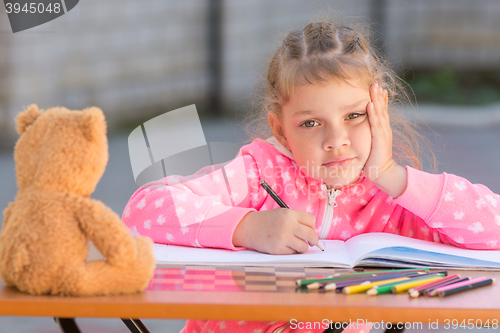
(469, 152)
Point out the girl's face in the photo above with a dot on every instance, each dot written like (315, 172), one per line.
(326, 128)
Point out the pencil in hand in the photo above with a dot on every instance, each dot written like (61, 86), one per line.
(282, 204)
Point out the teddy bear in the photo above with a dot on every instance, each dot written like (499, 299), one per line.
(60, 157)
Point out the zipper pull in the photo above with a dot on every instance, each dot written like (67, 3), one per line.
(333, 194)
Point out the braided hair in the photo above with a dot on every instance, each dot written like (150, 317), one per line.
(322, 51)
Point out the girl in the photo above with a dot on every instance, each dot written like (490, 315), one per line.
(330, 101)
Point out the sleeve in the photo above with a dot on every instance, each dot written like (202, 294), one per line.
(201, 210)
(450, 209)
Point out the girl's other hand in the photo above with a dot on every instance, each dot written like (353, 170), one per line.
(277, 231)
(380, 168)
(380, 159)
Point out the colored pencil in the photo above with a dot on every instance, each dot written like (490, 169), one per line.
(383, 289)
(387, 288)
(353, 282)
(432, 291)
(464, 283)
(282, 204)
(470, 284)
(350, 281)
(349, 276)
(413, 283)
(445, 273)
(366, 286)
(417, 291)
(306, 282)
(464, 286)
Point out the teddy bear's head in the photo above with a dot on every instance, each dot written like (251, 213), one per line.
(61, 150)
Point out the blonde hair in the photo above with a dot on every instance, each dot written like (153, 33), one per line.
(321, 51)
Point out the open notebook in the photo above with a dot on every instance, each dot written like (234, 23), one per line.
(373, 249)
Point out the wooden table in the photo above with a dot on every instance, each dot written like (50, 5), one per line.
(480, 305)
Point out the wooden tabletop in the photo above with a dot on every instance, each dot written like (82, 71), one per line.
(482, 304)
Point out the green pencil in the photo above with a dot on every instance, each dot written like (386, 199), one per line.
(344, 276)
(387, 288)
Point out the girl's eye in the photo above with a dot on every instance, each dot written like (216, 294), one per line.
(308, 122)
(355, 115)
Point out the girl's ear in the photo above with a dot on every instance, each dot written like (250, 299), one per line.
(277, 129)
(26, 118)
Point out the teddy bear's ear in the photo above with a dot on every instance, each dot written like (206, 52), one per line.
(93, 124)
(27, 118)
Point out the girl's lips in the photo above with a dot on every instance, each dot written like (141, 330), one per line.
(334, 165)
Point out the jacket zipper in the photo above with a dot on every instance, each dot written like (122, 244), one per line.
(328, 215)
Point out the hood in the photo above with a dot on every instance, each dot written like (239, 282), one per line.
(279, 147)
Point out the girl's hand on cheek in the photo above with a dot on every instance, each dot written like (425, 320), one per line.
(380, 159)
(380, 168)
(277, 231)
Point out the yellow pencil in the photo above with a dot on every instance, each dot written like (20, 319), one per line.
(364, 287)
(410, 284)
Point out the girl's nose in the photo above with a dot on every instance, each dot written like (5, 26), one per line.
(335, 139)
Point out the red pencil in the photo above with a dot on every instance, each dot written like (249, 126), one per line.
(432, 291)
(464, 286)
(419, 290)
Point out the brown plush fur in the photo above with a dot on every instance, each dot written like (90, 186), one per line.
(60, 157)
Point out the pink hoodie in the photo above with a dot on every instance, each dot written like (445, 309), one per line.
(204, 209)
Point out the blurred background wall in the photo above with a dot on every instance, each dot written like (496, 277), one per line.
(138, 59)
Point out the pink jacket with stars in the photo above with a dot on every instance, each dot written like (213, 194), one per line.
(204, 209)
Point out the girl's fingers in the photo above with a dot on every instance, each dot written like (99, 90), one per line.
(377, 108)
(373, 118)
(298, 245)
(379, 100)
(306, 219)
(378, 117)
(307, 234)
(288, 250)
(378, 94)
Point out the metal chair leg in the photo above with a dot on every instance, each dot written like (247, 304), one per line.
(135, 325)
(67, 325)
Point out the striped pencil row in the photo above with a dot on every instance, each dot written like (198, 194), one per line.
(450, 285)
(416, 282)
